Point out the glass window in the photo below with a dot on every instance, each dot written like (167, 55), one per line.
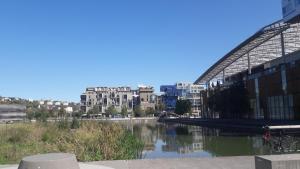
(269, 107)
(281, 110)
(276, 107)
(286, 107)
(291, 101)
(273, 107)
(291, 107)
(256, 86)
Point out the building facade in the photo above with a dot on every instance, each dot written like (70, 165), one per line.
(12, 112)
(169, 96)
(184, 91)
(146, 97)
(57, 105)
(272, 91)
(105, 97)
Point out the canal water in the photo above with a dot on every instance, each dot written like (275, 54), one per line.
(183, 141)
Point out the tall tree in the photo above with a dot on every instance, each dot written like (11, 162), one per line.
(95, 110)
(138, 111)
(150, 111)
(111, 110)
(62, 112)
(124, 111)
(160, 107)
(183, 107)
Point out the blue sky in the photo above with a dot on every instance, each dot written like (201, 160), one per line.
(54, 49)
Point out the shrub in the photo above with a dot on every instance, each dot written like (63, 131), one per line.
(75, 123)
(63, 124)
(91, 141)
(17, 135)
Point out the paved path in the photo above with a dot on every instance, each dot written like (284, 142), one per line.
(189, 163)
(82, 166)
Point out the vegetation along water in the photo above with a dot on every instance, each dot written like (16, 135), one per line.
(89, 140)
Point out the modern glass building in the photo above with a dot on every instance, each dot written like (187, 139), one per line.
(265, 69)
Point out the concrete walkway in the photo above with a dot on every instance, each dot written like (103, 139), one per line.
(81, 165)
(189, 163)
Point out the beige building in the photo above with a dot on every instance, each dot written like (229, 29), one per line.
(147, 98)
(104, 97)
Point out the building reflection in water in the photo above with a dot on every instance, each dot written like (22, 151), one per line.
(182, 139)
(167, 140)
(148, 133)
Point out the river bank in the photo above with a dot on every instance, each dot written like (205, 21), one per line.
(248, 125)
(90, 141)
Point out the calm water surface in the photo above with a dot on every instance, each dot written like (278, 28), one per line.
(181, 141)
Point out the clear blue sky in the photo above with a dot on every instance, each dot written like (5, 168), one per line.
(54, 49)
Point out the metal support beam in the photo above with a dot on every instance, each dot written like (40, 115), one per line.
(282, 44)
(249, 64)
(223, 76)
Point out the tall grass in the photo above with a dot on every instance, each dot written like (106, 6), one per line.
(91, 141)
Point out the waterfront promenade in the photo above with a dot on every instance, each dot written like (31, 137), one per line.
(249, 125)
(243, 162)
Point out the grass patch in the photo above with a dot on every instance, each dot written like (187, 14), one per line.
(89, 141)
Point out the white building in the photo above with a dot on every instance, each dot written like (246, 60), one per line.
(69, 109)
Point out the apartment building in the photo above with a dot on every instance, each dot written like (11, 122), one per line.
(104, 97)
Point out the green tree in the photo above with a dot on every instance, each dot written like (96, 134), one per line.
(111, 110)
(62, 112)
(138, 111)
(30, 113)
(183, 107)
(78, 114)
(95, 110)
(124, 111)
(160, 107)
(75, 123)
(41, 116)
(31, 109)
(150, 111)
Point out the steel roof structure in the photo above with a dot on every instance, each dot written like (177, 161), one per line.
(270, 42)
